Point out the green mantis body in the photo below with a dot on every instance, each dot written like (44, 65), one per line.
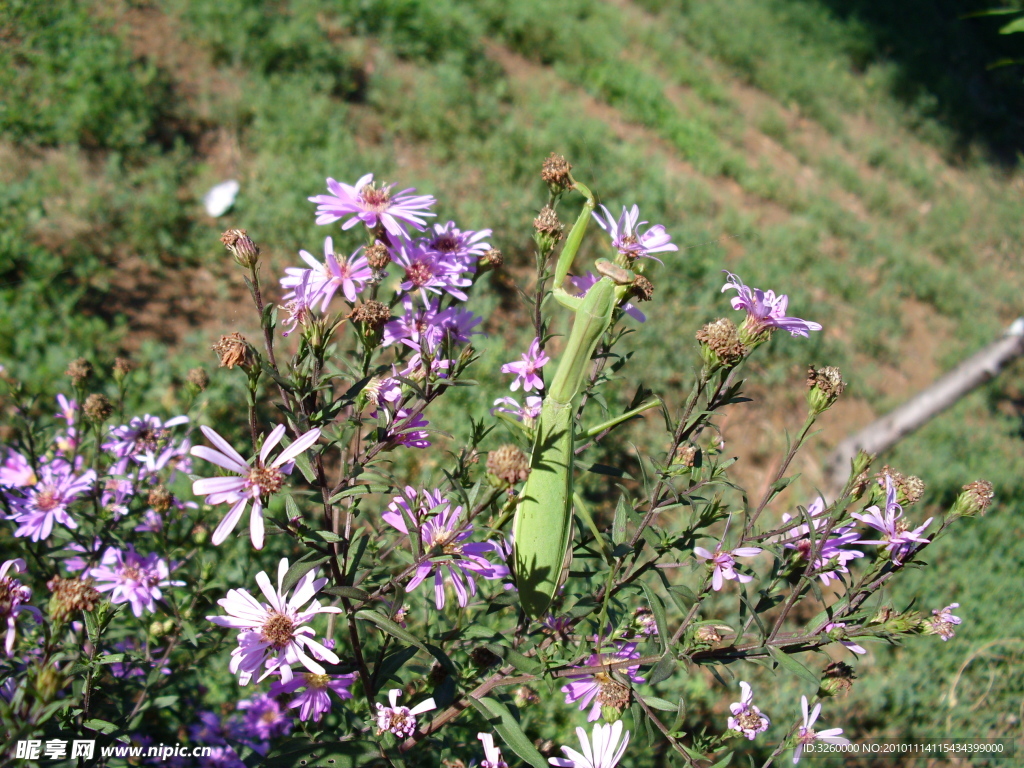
(543, 521)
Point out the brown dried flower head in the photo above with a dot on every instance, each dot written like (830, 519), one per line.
(371, 314)
(492, 259)
(707, 635)
(234, 350)
(98, 408)
(377, 256)
(198, 378)
(79, 371)
(160, 499)
(686, 455)
(643, 289)
(837, 678)
(509, 464)
(547, 223)
(721, 342)
(975, 499)
(555, 173)
(70, 596)
(122, 367)
(824, 386)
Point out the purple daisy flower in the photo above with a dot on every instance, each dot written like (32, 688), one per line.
(140, 438)
(16, 472)
(13, 599)
(426, 328)
(298, 303)
(456, 245)
(413, 504)
(400, 721)
(526, 369)
(459, 561)
(132, 578)
(221, 757)
(323, 280)
(264, 717)
(365, 202)
(943, 621)
(598, 689)
(427, 270)
(627, 238)
(601, 750)
(255, 482)
(68, 409)
(272, 634)
(47, 501)
(410, 433)
(315, 701)
(765, 310)
(724, 563)
(584, 283)
(839, 627)
(117, 493)
(806, 734)
(747, 718)
(896, 533)
(492, 755)
(799, 539)
(527, 413)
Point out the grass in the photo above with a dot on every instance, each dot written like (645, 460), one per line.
(771, 137)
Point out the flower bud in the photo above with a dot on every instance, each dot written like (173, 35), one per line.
(524, 695)
(198, 379)
(507, 466)
(122, 367)
(824, 386)
(234, 350)
(241, 246)
(974, 500)
(79, 371)
(97, 408)
(837, 678)
(555, 173)
(720, 344)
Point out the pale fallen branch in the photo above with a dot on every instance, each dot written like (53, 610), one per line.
(885, 432)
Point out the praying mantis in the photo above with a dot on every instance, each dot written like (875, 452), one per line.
(543, 521)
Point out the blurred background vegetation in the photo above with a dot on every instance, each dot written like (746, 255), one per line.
(858, 155)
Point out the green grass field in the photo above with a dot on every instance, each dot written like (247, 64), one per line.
(804, 144)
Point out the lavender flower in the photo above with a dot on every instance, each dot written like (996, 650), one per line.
(832, 549)
(13, 599)
(298, 303)
(262, 479)
(400, 721)
(117, 492)
(425, 328)
(492, 755)
(455, 245)
(411, 433)
(600, 689)
(838, 628)
(805, 735)
(323, 280)
(430, 271)
(747, 718)
(943, 621)
(314, 702)
(68, 409)
(365, 202)
(47, 501)
(601, 750)
(264, 718)
(584, 283)
(765, 310)
(896, 533)
(16, 472)
(526, 369)
(458, 561)
(527, 413)
(626, 236)
(724, 563)
(132, 578)
(272, 634)
(139, 438)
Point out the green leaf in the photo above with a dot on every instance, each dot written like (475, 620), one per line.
(655, 703)
(658, 609)
(792, 665)
(300, 568)
(104, 726)
(508, 729)
(619, 523)
(516, 659)
(337, 754)
(190, 632)
(387, 625)
(1017, 25)
(351, 592)
(663, 670)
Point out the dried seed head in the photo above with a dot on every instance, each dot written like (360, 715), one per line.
(611, 695)
(824, 386)
(79, 371)
(913, 489)
(234, 350)
(686, 455)
(720, 343)
(241, 246)
(707, 635)
(371, 314)
(437, 674)
(547, 223)
(198, 378)
(377, 256)
(492, 259)
(837, 678)
(643, 289)
(509, 464)
(483, 658)
(160, 499)
(122, 367)
(555, 173)
(98, 408)
(975, 499)
(909, 488)
(70, 596)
